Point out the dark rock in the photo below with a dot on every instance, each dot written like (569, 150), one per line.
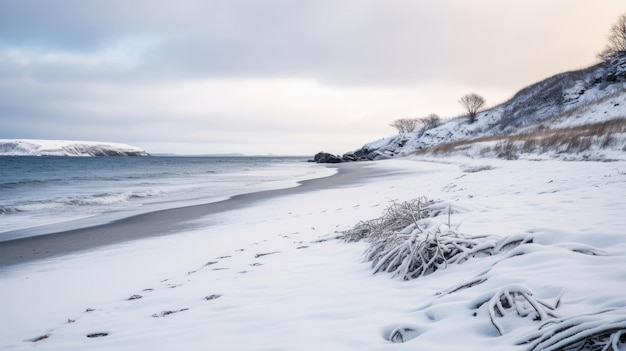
(324, 157)
(319, 157)
(349, 157)
(333, 159)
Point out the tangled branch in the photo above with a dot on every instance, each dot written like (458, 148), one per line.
(521, 300)
(423, 251)
(396, 217)
(602, 331)
(406, 242)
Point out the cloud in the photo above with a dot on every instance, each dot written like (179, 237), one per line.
(348, 42)
(242, 71)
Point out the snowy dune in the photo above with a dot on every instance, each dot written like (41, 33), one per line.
(273, 276)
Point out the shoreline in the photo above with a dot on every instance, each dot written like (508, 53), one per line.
(276, 273)
(161, 222)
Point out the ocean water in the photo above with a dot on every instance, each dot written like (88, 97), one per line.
(37, 192)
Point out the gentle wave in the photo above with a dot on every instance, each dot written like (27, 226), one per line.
(35, 192)
(29, 182)
(78, 201)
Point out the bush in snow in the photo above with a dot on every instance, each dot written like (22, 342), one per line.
(395, 218)
(602, 331)
(417, 251)
(407, 243)
(519, 299)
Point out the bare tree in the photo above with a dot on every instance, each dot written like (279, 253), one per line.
(431, 121)
(617, 40)
(405, 125)
(472, 102)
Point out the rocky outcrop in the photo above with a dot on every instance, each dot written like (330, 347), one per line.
(324, 157)
(572, 99)
(362, 154)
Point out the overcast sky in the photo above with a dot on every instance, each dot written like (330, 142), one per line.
(281, 77)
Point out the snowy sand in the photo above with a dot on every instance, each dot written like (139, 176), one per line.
(271, 276)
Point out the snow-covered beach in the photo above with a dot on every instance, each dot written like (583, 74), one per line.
(272, 275)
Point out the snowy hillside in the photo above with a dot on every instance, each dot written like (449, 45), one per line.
(590, 97)
(32, 147)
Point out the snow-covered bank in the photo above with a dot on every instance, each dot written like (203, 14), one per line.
(36, 147)
(573, 115)
(260, 278)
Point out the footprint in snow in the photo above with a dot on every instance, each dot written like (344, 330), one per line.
(97, 335)
(203, 266)
(265, 254)
(401, 333)
(169, 312)
(39, 338)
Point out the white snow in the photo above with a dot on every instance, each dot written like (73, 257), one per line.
(40, 147)
(272, 285)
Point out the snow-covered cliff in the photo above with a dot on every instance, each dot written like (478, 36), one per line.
(33, 147)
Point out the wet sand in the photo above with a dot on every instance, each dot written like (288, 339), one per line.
(163, 222)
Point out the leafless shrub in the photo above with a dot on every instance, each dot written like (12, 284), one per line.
(529, 146)
(406, 125)
(507, 150)
(396, 217)
(617, 40)
(417, 251)
(407, 243)
(602, 331)
(519, 299)
(430, 122)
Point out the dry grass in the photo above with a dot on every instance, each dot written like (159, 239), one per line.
(408, 244)
(571, 140)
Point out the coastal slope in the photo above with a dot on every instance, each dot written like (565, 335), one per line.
(575, 115)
